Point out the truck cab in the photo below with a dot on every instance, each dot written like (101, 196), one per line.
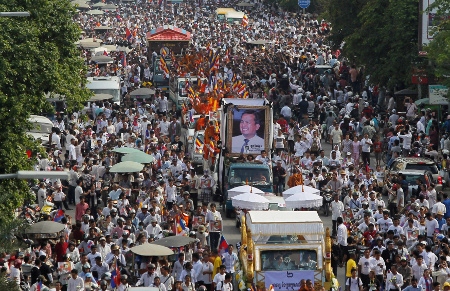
(238, 174)
(279, 247)
(177, 89)
(105, 85)
(159, 78)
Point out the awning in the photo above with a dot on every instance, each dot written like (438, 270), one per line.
(284, 223)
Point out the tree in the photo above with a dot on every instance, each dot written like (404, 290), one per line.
(342, 16)
(383, 38)
(38, 56)
(439, 48)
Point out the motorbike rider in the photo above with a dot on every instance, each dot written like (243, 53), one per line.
(334, 184)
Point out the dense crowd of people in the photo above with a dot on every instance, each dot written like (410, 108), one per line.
(393, 244)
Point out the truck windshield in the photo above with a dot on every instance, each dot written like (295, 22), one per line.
(251, 175)
(288, 260)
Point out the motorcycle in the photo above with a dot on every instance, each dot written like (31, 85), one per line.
(327, 197)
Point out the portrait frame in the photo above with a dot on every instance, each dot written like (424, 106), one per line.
(233, 119)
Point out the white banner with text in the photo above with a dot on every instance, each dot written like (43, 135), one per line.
(287, 280)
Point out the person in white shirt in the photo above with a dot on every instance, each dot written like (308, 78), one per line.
(75, 283)
(394, 280)
(418, 267)
(337, 207)
(219, 278)
(341, 232)
(229, 259)
(226, 284)
(166, 278)
(206, 275)
(366, 142)
(154, 229)
(431, 226)
(148, 278)
(439, 207)
(378, 265)
(353, 283)
(407, 138)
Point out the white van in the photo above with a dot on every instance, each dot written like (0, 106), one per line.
(105, 85)
(42, 128)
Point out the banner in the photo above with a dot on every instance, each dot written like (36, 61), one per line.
(287, 280)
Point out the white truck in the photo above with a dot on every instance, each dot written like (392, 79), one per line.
(177, 89)
(105, 85)
(246, 128)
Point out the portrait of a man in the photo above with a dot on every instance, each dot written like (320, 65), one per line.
(247, 125)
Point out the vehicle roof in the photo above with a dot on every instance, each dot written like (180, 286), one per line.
(248, 165)
(413, 172)
(40, 119)
(322, 66)
(411, 160)
(248, 102)
(224, 10)
(234, 14)
(284, 222)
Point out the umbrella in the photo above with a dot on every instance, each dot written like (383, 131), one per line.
(174, 241)
(81, 5)
(298, 189)
(243, 189)
(102, 59)
(250, 201)
(405, 92)
(109, 7)
(304, 200)
(100, 97)
(95, 12)
(109, 47)
(125, 150)
(99, 4)
(244, 4)
(88, 45)
(126, 167)
(141, 158)
(142, 92)
(149, 250)
(45, 227)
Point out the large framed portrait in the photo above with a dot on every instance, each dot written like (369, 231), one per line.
(248, 130)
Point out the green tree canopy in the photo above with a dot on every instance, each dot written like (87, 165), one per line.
(38, 55)
(380, 35)
(439, 48)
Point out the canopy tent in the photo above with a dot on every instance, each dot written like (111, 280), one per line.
(143, 92)
(125, 150)
(149, 250)
(250, 201)
(243, 189)
(126, 167)
(174, 241)
(303, 200)
(284, 223)
(300, 189)
(141, 158)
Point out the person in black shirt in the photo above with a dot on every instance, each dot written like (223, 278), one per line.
(279, 177)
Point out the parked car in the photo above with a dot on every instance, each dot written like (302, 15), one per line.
(411, 176)
(413, 163)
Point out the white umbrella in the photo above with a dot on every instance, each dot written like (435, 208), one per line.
(303, 200)
(298, 189)
(250, 201)
(243, 189)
